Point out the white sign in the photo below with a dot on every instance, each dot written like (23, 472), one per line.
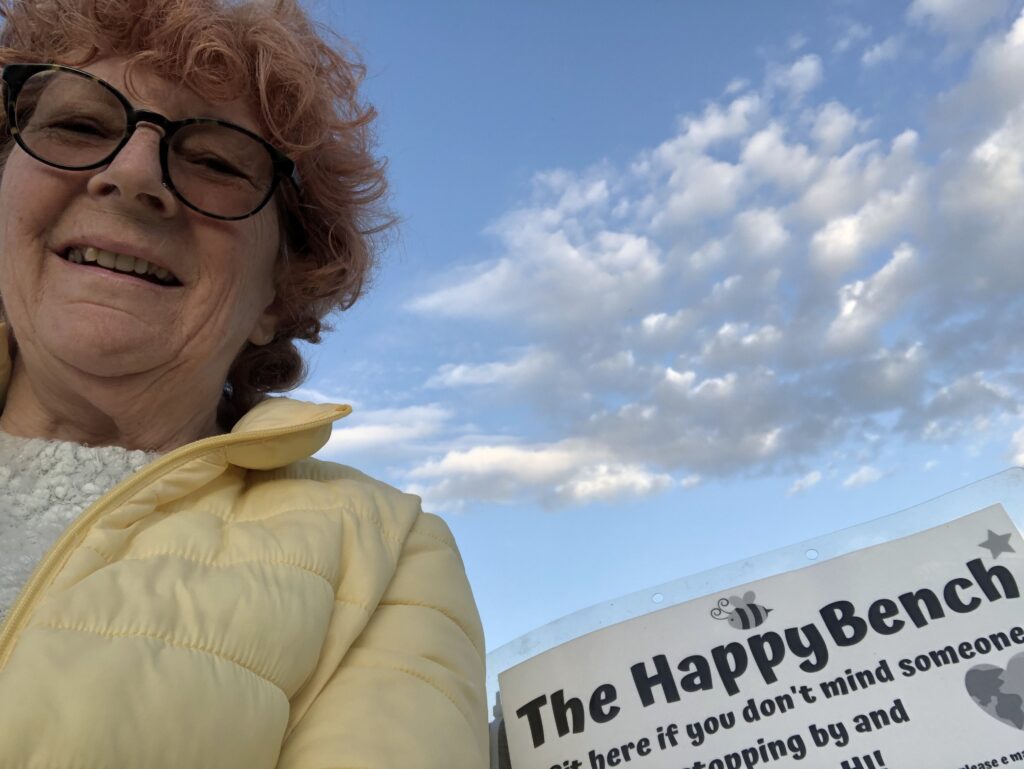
(906, 655)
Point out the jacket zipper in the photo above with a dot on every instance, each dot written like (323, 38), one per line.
(56, 555)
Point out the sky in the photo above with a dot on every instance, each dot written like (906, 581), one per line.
(677, 283)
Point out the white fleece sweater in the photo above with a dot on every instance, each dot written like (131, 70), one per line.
(44, 486)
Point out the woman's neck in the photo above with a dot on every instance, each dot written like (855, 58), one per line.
(120, 412)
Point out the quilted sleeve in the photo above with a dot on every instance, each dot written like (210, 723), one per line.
(410, 692)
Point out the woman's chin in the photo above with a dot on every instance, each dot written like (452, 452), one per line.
(112, 350)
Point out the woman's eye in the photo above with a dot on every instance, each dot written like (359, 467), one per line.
(217, 165)
(81, 127)
(220, 166)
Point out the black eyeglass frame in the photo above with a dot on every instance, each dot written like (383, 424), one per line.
(16, 75)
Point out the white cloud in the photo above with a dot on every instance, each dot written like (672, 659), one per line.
(736, 85)
(956, 18)
(761, 231)
(852, 34)
(995, 85)
(848, 181)
(662, 324)
(551, 275)
(1017, 448)
(573, 195)
(990, 182)
(887, 50)
(524, 464)
(528, 367)
(484, 293)
(316, 395)
(690, 481)
(769, 157)
(838, 246)
(568, 472)
(960, 407)
(385, 429)
(833, 126)
(863, 476)
(738, 343)
(700, 187)
(805, 482)
(690, 387)
(801, 77)
(708, 256)
(606, 482)
(865, 306)
(614, 366)
(715, 125)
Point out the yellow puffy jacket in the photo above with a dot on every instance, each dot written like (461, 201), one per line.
(237, 605)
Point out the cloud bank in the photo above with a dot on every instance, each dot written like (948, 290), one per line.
(777, 279)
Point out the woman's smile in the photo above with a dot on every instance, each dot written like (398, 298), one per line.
(77, 269)
(120, 263)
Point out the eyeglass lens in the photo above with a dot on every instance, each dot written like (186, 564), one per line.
(71, 121)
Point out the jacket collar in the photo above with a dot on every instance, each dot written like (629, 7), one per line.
(275, 433)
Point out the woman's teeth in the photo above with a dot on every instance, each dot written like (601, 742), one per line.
(119, 263)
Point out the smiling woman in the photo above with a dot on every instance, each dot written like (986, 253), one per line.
(188, 187)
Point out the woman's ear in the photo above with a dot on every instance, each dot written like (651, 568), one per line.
(265, 328)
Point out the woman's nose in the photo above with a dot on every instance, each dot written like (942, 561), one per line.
(134, 178)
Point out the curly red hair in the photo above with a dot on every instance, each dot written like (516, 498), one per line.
(304, 82)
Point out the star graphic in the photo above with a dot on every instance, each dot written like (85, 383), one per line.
(997, 543)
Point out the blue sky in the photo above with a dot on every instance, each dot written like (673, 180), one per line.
(678, 283)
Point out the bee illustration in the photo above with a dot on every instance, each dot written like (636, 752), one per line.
(745, 613)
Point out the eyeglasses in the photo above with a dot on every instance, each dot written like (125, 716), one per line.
(71, 119)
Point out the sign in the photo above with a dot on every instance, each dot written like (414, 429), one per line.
(905, 655)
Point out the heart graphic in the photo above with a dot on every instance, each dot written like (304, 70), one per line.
(999, 692)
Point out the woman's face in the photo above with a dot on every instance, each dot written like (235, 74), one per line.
(111, 324)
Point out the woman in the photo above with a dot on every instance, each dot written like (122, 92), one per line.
(187, 188)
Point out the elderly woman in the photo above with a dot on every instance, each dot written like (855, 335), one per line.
(187, 189)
